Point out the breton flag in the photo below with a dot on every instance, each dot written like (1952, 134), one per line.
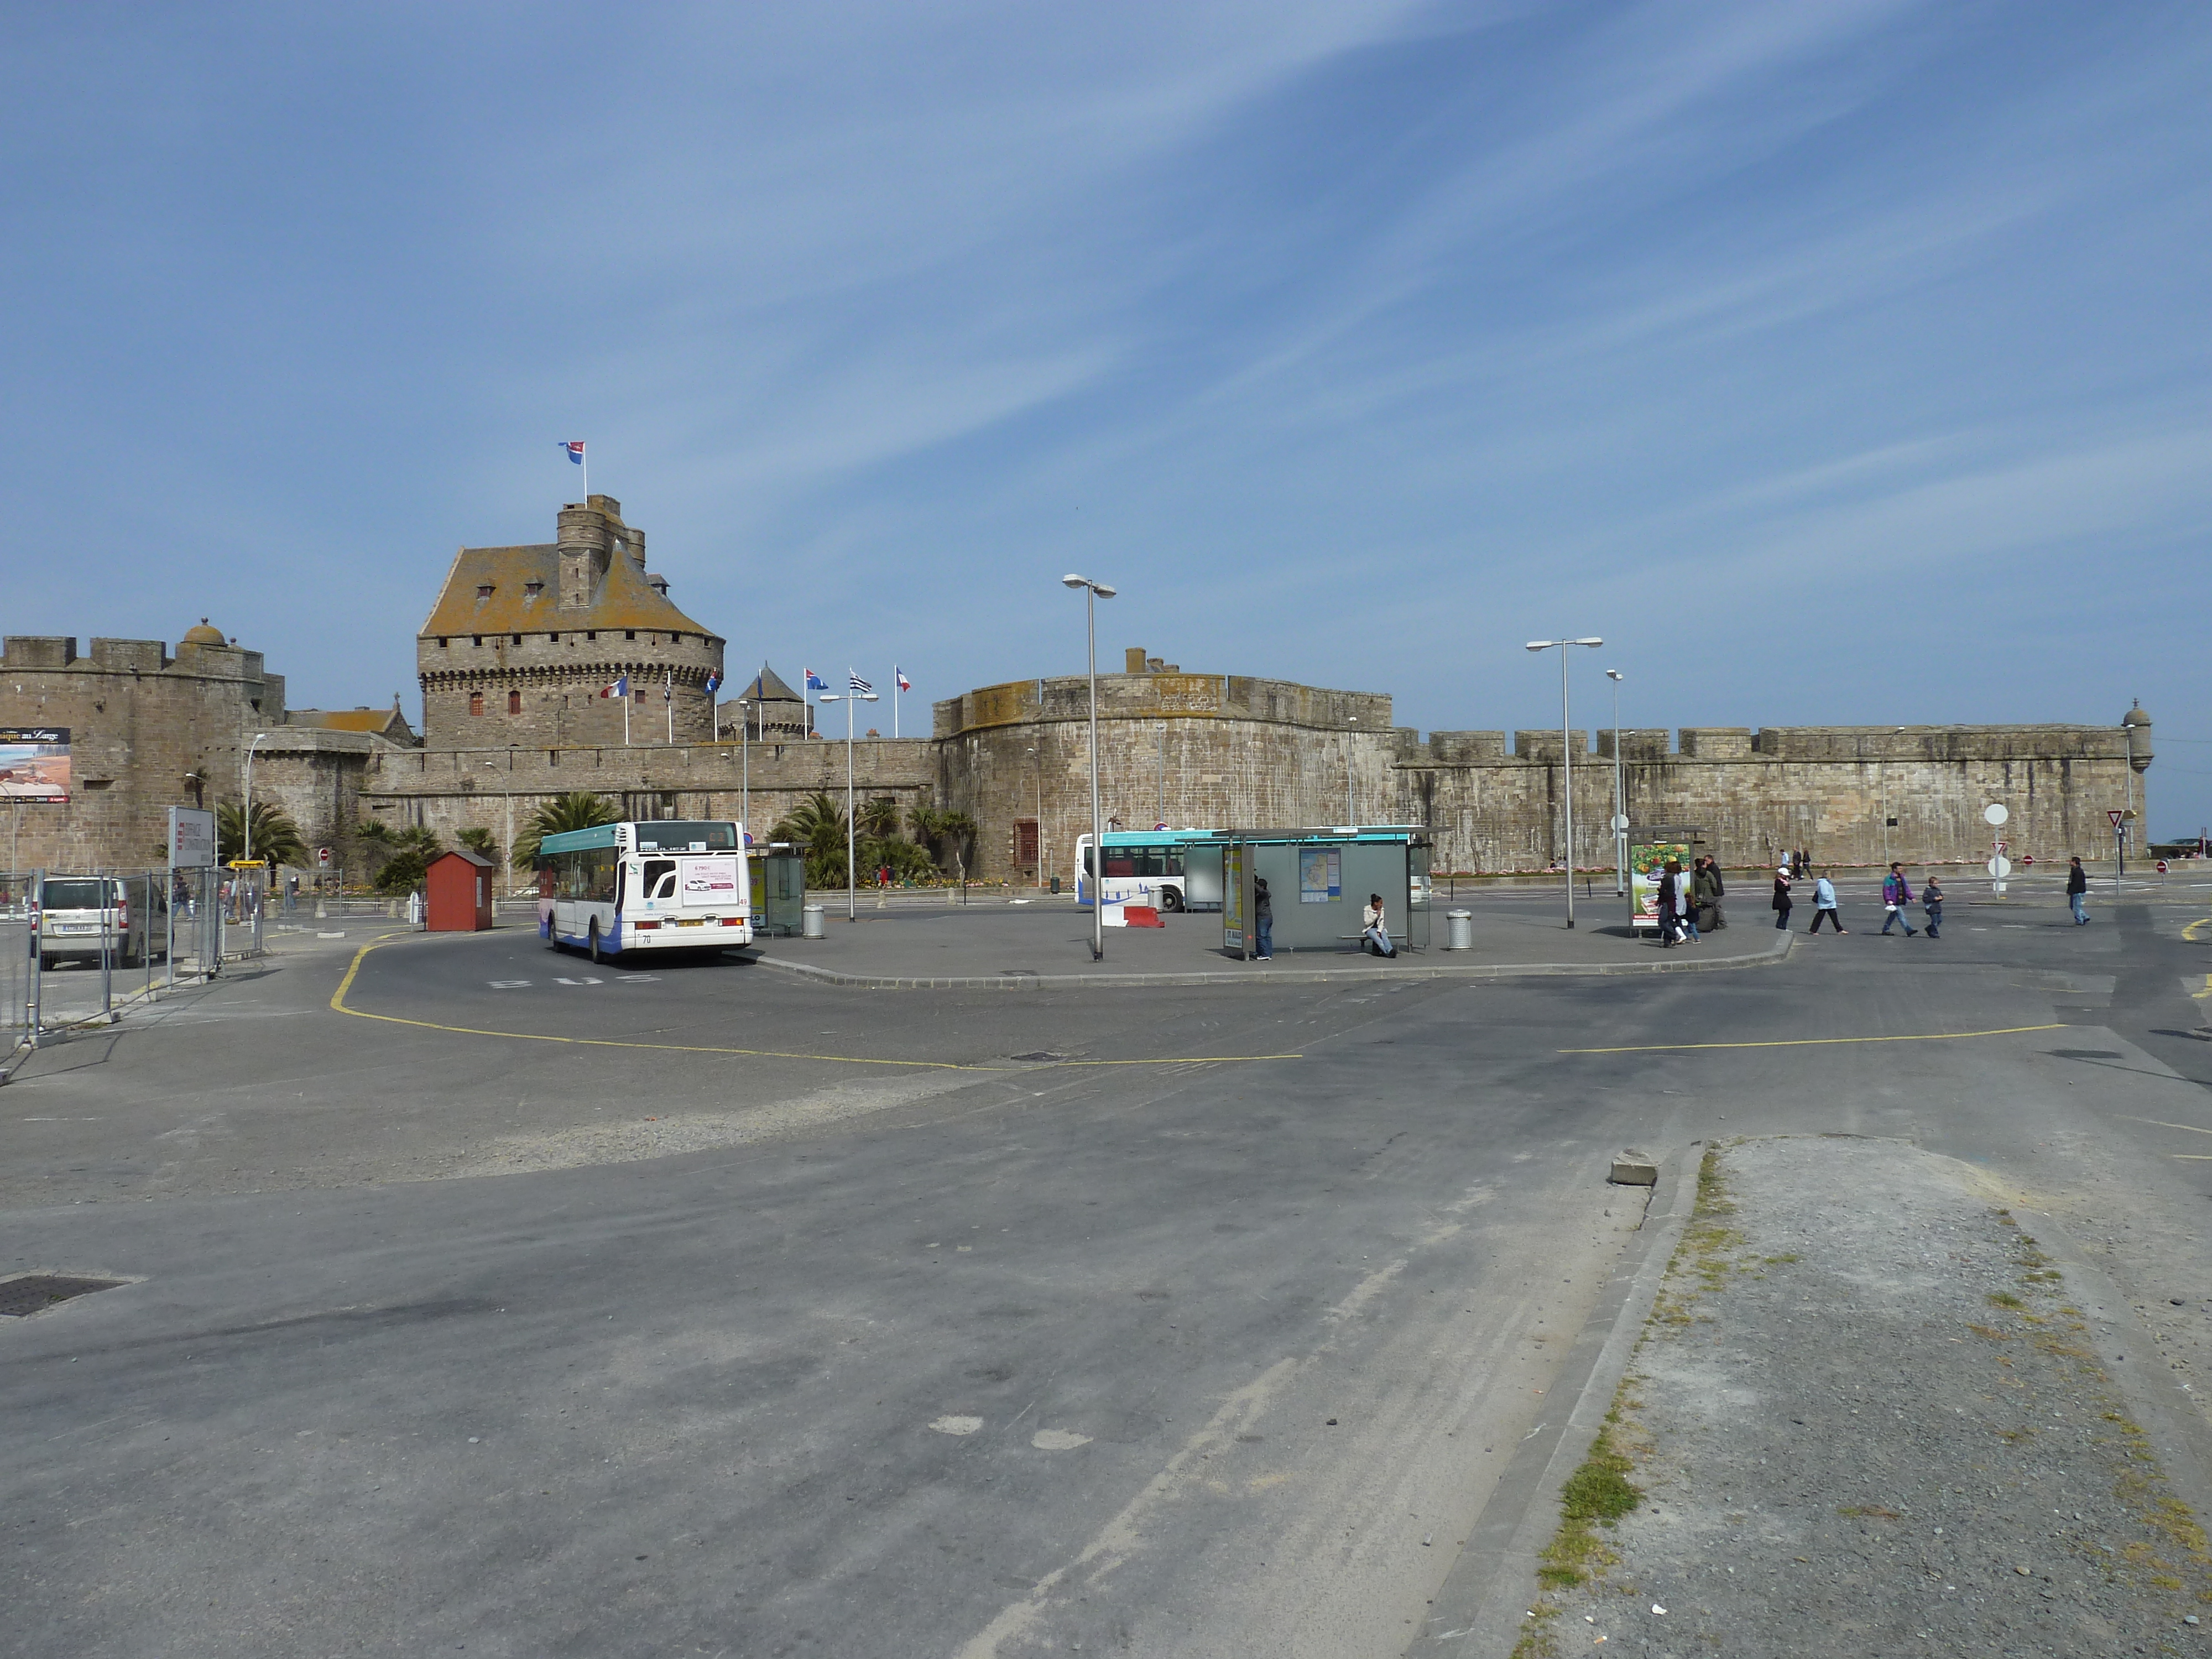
(814, 682)
(859, 686)
(668, 685)
(904, 683)
(714, 681)
(576, 448)
(619, 688)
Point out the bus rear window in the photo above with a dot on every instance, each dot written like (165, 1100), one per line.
(672, 836)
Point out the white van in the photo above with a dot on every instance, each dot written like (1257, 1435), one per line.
(77, 911)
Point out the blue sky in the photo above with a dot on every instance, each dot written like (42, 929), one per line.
(1838, 363)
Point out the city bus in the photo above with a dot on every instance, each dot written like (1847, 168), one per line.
(667, 886)
(1173, 869)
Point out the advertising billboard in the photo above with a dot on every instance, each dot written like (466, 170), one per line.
(192, 839)
(34, 763)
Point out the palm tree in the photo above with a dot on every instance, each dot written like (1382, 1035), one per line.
(411, 852)
(817, 827)
(879, 818)
(580, 809)
(275, 838)
(482, 842)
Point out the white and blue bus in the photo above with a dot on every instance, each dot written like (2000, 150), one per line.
(1172, 869)
(669, 885)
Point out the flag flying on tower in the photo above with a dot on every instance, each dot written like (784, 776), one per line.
(668, 685)
(714, 681)
(904, 683)
(814, 682)
(619, 688)
(860, 687)
(576, 448)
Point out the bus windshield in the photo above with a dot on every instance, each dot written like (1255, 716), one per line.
(675, 836)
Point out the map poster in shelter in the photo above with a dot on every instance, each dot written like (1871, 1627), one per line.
(1647, 862)
(1321, 874)
(34, 763)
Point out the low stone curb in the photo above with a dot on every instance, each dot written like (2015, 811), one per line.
(1480, 1608)
(1683, 964)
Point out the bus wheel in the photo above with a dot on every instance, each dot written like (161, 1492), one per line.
(1171, 898)
(595, 944)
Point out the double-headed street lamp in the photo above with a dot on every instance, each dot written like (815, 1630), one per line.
(1619, 798)
(1092, 592)
(1567, 755)
(859, 692)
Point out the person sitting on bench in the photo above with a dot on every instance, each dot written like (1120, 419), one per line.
(1374, 935)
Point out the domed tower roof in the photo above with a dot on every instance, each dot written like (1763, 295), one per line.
(203, 635)
(2136, 724)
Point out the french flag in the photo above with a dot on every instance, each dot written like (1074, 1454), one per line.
(904, 683)
(619, 688)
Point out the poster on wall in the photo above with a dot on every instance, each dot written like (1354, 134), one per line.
(34, 763)
(1234, 859)
(1647, 862)
(1321, 874)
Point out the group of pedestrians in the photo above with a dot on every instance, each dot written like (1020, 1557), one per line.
(1897, 900)
(1690, 902)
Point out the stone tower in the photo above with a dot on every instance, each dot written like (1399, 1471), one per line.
(523, 641)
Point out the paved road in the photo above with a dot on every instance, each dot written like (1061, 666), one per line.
(811, 1321)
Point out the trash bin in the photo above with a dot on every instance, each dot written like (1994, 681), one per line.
(1055, 884)
(810, 922)
(1459, 930)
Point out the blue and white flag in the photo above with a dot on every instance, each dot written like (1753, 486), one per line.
(814, 682)
(860, 687)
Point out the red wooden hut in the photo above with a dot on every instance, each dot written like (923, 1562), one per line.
(458, 888)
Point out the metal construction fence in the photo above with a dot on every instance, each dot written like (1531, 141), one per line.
(77, 947)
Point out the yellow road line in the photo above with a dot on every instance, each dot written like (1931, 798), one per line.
(339, 1006)
(2190, 932)
(1811, 1043)
(2206, 992)
(2191, 1127)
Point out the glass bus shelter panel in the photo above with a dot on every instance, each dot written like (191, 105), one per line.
(1419, 896)
(1202, 877)
(1307, 918)
(779, 887)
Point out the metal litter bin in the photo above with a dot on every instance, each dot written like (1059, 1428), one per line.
(810, 922)
(1459, 930)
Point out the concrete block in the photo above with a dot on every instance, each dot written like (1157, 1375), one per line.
(1634, 1169)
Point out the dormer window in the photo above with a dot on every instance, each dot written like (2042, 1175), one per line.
(531, 590)
(484, 590)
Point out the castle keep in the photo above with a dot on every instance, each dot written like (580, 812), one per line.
(522, 641)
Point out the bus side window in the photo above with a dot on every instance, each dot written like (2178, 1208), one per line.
(1171, 860)
(1119, 863)
(602, 878)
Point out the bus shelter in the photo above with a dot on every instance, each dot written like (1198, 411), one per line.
(1318, 882)
(1650, 847)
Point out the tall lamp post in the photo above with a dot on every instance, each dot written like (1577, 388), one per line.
(746, 770)
(247, 818)
(1092, 592)
(1619, 798)
(1567, 756)
(1038, 754)
(858, 692)
(1351, 812)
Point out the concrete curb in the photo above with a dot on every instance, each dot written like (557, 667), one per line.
(1766, 958)
(1481, 1608)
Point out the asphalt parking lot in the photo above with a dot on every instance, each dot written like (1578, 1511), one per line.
(525, 1307)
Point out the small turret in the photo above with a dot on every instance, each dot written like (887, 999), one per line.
(2136, 724)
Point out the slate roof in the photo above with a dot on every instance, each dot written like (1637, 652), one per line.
(626, 598)
(379, 722)
(769, 686)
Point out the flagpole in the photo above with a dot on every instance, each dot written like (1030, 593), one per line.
(895, 700)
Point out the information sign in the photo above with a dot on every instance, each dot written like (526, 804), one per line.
(192, 839)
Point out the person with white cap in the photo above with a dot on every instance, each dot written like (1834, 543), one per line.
(1781, 895)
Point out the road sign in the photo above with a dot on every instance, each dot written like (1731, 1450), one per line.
(2115, 814)
(2000, 866)
(1996, 813)
(249, 864)
(1620, 824)
(2162, 866)
(322, 858)
(191, 838)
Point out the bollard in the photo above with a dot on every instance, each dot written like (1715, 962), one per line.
(1459, 930)
(810, 922)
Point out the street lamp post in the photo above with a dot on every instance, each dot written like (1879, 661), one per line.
(1351, 812)
(1567, 757)
(1092, 592)
(247, 817)
(1619, 798)
(1038, 754)
(746, 771)
(852, 876)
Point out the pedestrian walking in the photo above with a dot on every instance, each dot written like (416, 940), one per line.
(1896, 893)
(1686, 904)
(1263, 918)
(1374, 932)
(1782, 896)
(1932, 900)
(2077, 892)
(1707, 889)
(1670, 903)
(1824, 906)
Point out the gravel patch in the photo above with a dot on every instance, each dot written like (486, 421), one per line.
(1865, 1419)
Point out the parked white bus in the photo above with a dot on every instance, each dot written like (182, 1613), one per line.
(668, 885)
(1173, 869)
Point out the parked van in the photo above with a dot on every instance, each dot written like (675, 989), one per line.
(78, 910)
